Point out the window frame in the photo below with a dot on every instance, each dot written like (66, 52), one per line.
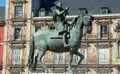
(104, 29)
(82, 11)
(104, 34)
(104, 10)
(21, 36)
(42, 12)
(18, 12)
(104, 61)
(23, 7)
(13, 56)
(59, 58)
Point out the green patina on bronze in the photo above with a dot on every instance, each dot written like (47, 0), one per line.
(62, 37)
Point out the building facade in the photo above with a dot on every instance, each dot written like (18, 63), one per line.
(2, 23)
(101, 48)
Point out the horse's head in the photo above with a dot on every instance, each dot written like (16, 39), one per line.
(87, 21)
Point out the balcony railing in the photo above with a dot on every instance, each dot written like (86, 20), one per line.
(84, 61)
(98, 37)
(17, 38)
(18, 1)
(20, 19)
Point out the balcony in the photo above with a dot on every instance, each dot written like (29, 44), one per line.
(61, 68)
(98, 38)
(17, 39)
(20, 19)
(19, 1)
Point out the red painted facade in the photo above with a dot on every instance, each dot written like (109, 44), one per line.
(1, 45)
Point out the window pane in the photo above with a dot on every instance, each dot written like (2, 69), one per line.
(104, 10)
(18, 11)
(17, 33)
(104, 56)
(42, 13)
(16, 57)
(59, 58)
(82, 11)
(21, 11)
(104, 29)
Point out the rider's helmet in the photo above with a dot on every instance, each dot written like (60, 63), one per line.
(59, 5)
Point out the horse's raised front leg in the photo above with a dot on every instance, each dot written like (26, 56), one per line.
(70, 61)
(81, 57)
(39, 59)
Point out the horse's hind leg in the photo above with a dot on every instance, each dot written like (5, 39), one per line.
(81, 57)
(70, 61)
(39, 59)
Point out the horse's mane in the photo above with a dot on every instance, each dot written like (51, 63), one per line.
(75, 21)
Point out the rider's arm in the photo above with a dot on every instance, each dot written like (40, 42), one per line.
(61, 12)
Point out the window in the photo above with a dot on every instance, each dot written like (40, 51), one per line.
(83, 11)
(15, 71)
(16, 56)
(59, 58)
(104, 56)
(104, 29)
(18, 11)
(41, 12)
(104, 10)
(18, 33)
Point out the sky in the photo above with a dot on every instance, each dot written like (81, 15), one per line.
(2, 2)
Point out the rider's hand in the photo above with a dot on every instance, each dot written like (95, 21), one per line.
(67, 8)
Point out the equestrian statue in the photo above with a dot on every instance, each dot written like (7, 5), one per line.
(62, 37)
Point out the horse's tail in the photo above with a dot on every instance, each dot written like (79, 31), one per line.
(31, 54)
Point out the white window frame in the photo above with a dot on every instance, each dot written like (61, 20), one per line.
(21, 33)
(82, 11)
(14, 5)
(104, 10)
(16, 56)
(104, 56)
(42, 13)
(59, 58)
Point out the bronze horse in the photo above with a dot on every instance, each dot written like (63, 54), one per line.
(42, 41)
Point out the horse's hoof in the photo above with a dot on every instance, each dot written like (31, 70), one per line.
(46, 70)
(76, 64)
(71, 72)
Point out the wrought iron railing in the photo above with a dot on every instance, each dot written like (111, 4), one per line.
(18, 1)
(97, 36)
